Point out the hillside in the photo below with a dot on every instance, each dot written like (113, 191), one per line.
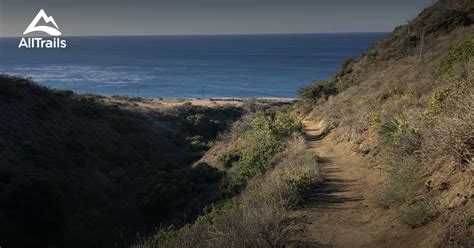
(91, 171)
(407, 107)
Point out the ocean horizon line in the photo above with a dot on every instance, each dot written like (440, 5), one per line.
(208, 35)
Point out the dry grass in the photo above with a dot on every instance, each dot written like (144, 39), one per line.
(451, 140)
(415, 101)
(256, 218)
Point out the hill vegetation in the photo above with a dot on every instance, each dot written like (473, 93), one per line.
(268, 169)
(90, 171)
(407, 105)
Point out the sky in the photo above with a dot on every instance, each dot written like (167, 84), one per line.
(177, 17)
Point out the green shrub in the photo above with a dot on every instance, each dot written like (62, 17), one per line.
(374, 120)
(197, 143)
(286, 124)
(167, 190)
(205, 174)
(392, 129)
(403, 182)
(319, 89)
(263, 140)
(196, 119)
(255, 159)
(302, 185)
(457, 19)
(411, 41)
(448, 20)
(417, 215)
(238, 181)
(399, 136)
(442, 99)
(228, 158)
(326, 88)
(346, 67)
(371, 56)
(461, 54)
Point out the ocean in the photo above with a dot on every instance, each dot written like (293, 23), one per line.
(212, 66)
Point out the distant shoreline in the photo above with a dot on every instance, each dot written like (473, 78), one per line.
(207, 102)
(225, 99)
(197, 98)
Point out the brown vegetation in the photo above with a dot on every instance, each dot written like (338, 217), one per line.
(407, 105)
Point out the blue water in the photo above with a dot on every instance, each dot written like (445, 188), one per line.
(186, 66)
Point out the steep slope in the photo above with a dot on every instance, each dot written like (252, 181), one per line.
(90, 171)
(407, 106)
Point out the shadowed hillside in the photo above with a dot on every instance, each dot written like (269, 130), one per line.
(89, 171)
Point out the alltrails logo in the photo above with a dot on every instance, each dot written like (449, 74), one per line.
(33, 42)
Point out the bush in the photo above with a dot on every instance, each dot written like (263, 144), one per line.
(196, 119)
(449, 140)
(417, 215)
(325, 88)
(319, 89)
(461, 54)
(197, 143)
(444, 98)
(302, 184)
(228, 158)
(263, 140)
(403, 182)
(346, 67)
(167, 190)
(285, 124)
(399, 136)
(205, 174)
(448, 20)
(411, 41)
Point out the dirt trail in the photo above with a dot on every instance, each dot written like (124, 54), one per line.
(340, 213)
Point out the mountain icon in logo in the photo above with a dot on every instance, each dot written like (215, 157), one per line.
(47, 29)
